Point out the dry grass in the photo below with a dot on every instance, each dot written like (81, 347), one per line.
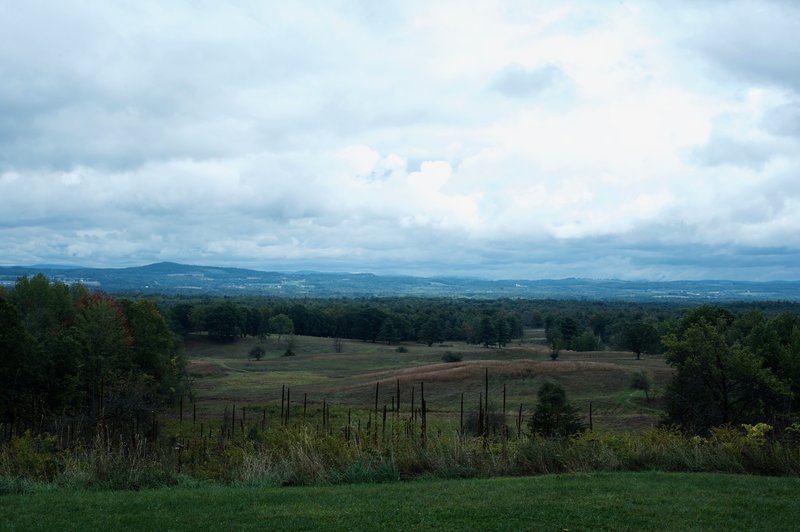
(223, 374)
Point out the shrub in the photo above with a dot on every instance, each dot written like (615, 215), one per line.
(554, 416)
(642, 381)
(452, 357)
(257, 352)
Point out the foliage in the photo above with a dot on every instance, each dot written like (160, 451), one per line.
(291, 345)
(554, 416)
(257, 352)
(722, 375)
(70, 352)
(640, 380)
(640, 337)
(223, 321)
(281, 325)
(449, 356)
(586, 341)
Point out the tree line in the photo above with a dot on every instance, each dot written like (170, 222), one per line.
(68, 352)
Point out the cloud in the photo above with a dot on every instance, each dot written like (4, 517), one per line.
(517, 81)
(608, 140)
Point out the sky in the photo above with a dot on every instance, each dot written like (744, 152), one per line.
(496, 139)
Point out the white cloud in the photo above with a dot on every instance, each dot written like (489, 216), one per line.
(507, 138)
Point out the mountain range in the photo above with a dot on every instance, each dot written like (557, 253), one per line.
(172, 278)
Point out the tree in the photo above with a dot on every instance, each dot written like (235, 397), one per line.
(430, 332)
(486, 332)
(389, 332)
(17, 369)
(569, 330)
(155, 352)
(291, 345)
(555, 347)
(554, 415)
(586, 341)
(180, 317)
(224, 322)
(718, 379)
(642, 381)
(502, 329)
(640, 337)
(108, 359)
(281, 324)
(257, 352)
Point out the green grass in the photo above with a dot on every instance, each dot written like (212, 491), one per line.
(620, 501)
(223, 374)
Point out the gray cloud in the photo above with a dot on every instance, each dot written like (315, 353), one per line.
(721, 150)
(517, 81)
(364, 137)
(783, 120)
(754, 40)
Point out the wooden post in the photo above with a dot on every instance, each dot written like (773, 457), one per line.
(505, 426)
(324, 413)
(288, 404)
(305, 403)
(383, 426)
(397, 403)
(194, 413)
(180, 413)
(377, 384)
(480, 413)
(264, 418)
(283, 397)
(486, 401)
(412, 403)
(330, 429)
(233, 421)
(461, 423)
(590, 416)
(424, 408)
(519, 421)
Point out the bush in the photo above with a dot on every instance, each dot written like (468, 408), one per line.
(257, 352)
(642, 381)
(586, 342)
(554, 416)
(402, 349)
(452, 357)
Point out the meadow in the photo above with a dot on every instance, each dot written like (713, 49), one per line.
(223, 375)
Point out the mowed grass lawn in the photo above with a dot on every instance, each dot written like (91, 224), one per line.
(618, 501)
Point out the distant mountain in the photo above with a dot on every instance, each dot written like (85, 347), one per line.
(173, 278)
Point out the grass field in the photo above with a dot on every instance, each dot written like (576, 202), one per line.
(223, 374)
(619, 501)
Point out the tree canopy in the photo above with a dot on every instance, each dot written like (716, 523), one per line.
(731, 369)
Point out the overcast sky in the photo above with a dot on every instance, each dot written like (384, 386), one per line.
(632, 140)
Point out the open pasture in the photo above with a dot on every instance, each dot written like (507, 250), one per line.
(223, 374)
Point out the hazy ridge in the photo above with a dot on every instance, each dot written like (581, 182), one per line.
(173, 278)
